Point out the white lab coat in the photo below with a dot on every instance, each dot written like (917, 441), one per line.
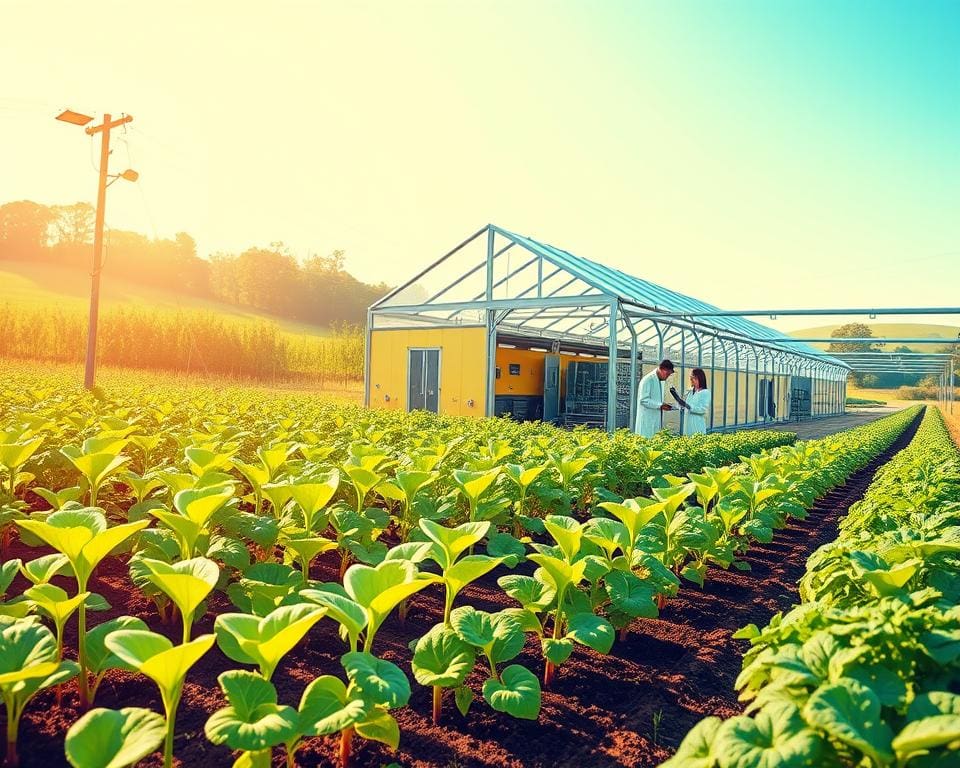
(695, 418)
(649, 400)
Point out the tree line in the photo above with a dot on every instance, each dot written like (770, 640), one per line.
(269, 279)
(891, 379)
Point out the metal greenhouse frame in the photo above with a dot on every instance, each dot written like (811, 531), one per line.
(512, 284)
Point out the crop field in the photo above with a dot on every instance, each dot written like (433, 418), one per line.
(211, 576)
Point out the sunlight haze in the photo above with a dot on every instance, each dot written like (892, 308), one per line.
(752, 154)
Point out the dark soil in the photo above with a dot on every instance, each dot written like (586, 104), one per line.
(630, 708)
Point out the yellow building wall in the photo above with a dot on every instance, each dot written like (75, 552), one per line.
(463, 371)
(530, 380)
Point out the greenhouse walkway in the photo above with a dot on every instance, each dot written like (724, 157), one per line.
(813, 429)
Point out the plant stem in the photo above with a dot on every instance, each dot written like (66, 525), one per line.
(346, 743)
(13, 723)
(83, 684)
(437, 703)
(171, 710)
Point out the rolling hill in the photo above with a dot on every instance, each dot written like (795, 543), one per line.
(889, 330)
(39, 284)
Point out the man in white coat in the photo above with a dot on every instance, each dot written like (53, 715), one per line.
(650, 400)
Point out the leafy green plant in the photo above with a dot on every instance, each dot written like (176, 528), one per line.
(55, 603)
(83, 537)
(265, 641)
(14, 454)
(359, 708)
(190, 520)
(111, 738)
(442, 660)
(252, 722)
(187, 583)
(457, 572)
(28, 663)
(498, 637)
(96, 460)
(368, 596)
(167, 665)
(562, 569)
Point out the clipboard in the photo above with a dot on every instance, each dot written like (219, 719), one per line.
(676, 396)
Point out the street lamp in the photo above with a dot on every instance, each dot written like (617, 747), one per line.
(76, 118)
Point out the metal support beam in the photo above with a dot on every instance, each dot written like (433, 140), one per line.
(612, 347)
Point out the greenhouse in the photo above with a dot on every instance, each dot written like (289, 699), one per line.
(504, 324)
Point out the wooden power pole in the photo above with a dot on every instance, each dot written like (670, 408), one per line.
(104, 130)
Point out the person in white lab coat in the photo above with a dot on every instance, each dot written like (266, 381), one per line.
(650, 403)
(696, 404)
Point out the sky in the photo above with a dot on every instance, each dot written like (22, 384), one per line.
(751, 153)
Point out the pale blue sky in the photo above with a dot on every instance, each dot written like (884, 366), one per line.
(749, 153)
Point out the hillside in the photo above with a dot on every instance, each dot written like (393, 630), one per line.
(889, 330)
(39, 284)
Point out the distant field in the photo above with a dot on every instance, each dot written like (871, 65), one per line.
(52, 285)
(889, 330)
(43, 311)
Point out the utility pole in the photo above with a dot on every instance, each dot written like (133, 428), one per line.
(104, 130)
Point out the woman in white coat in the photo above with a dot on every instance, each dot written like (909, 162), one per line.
(697, 404)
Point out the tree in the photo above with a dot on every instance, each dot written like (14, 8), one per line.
(854, 331)
(24, 230)
(953, 349)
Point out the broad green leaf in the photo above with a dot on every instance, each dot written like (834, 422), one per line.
(776, 738)
(557, 651)
(468, 570)
(921, 736)
(850, 712)
(325, 707)
(109, 738)
(379, 590)
(349, 613)
(561, 573)
(187, 583)
(528, 591)
(156, 657)
(378, 680)
(314, 494)
(630, 595)
(567, 532)
(473, 626)
(265, 641)
(28, 650)
(453, 541)
(55, 602)
(516, 693)
(591, 630)
(380, 726)
(934, 703)
(42, 569)
(99, 657)
(200, 504)
(253, 721)
(15, 455)
(441, 658)
(474, 484)
(696, 749)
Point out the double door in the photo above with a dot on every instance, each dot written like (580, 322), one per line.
(423, 379)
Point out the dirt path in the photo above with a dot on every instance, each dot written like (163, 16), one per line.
(630, 708)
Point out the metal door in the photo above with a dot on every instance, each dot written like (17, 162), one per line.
(423, 380)
(551, 388)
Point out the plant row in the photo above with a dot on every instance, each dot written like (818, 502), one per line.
(591, 574)
(865, 671)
